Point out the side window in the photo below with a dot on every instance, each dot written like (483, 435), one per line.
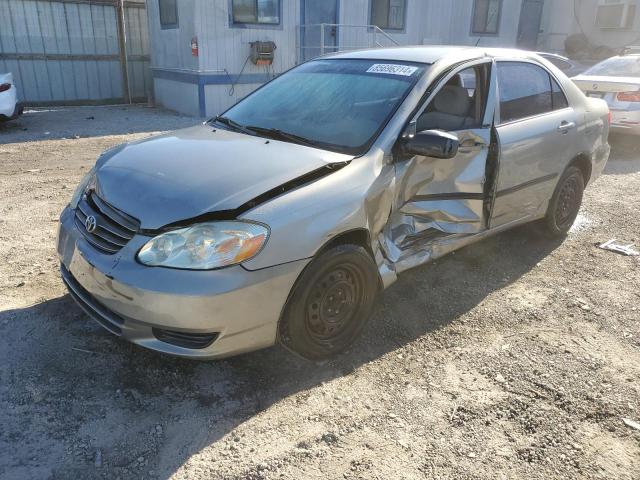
(486, 17)
(255, 12)
(459, 104)
(168, 13)
(525, 90)
(388, 14)
(558, 100)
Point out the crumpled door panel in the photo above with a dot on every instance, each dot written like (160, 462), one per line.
(437, 202)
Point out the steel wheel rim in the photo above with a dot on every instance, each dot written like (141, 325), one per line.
(333, 303)
(567, 200)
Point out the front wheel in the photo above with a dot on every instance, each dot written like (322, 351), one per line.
(565, 203)
(330, 303)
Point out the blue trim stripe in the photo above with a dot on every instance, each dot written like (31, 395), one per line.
(209, 78)
(202, 106)
(175, 75)
(202, 79)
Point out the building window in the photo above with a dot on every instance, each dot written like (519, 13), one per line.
(168, 13)
(486, 17)
(388, 14)
(616, 15)
(265, 12)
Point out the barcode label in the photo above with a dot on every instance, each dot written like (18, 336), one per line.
(404, 70)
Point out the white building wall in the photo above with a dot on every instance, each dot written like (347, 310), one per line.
(179, 96)
(560, 20)
(170, 48)
(459, 26)
(224, 48)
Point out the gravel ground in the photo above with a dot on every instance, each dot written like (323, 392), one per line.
(517, 357)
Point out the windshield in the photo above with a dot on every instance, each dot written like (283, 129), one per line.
(338, 105)
(617, 67)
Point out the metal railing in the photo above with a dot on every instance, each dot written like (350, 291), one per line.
(318, 39)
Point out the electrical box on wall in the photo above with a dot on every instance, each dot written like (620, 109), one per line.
(262, 52)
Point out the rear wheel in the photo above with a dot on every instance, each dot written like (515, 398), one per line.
(565, 203)
(330, 303)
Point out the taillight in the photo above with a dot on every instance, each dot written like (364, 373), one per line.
(4, 87)
(629, 96)
(610, 116)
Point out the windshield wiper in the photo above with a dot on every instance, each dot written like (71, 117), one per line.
(277, 134)
(232, 124)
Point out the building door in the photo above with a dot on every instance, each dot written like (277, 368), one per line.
(319, 33)
(529, 26)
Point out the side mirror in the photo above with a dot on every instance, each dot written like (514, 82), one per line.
(431, 143)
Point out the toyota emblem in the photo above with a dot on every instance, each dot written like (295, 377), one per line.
(90, 223)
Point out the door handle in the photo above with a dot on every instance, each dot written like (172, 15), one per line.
(565, 126)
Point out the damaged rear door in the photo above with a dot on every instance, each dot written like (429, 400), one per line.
(438, 201)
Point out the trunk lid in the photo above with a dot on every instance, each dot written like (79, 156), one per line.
(590, 84)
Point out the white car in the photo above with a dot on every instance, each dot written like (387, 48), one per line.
(617, 81)
(10, 108)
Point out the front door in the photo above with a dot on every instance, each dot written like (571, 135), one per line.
(317, 39)
(441, 200)
(529, 25)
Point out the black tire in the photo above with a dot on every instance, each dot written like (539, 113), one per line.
(330, 303)
(565, 203)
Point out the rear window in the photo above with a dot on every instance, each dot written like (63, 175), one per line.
(560, 63)
(617, 67)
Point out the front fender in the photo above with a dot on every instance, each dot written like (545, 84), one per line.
(358, 196)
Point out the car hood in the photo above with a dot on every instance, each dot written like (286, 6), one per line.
(194, 171)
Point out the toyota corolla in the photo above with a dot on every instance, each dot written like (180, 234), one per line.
(282, 219)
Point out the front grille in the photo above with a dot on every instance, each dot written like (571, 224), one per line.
(185, 339)
(113, 228)
(101, 314)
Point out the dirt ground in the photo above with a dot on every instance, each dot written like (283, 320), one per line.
(517, 357)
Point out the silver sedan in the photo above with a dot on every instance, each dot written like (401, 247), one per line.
(282, 219)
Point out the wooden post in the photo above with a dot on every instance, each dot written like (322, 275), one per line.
(122, 44)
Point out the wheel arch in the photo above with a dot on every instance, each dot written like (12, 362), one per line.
(583, 162)
(356, 236)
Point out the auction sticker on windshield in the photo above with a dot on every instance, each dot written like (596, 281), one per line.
(404, 70)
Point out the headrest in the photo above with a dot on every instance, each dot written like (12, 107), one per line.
(455, 81)
(452, 100)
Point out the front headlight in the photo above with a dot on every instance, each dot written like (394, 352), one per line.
(86, 181)
(205, 246)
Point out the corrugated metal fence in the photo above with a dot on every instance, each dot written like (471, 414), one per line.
(72, 51)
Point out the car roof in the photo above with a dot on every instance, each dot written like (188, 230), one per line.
(432, 53)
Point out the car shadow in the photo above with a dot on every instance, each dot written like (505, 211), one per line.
(55, 123)
(89, 384)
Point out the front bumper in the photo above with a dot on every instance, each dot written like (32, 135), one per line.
(240, 308)
(12, 114)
